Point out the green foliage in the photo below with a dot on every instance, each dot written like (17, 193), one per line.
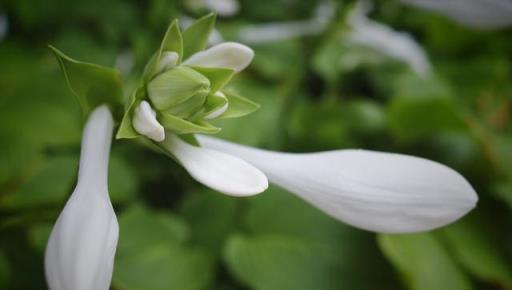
(316, 92)
(423, 262)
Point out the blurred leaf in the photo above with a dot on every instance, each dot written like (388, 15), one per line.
(4, 271)
(152, 255)
(282, 263)
(424, 263)
(38, 236)
(49, 185)
(211, 216)
(476, 251)
(123, 182)
(412, 118)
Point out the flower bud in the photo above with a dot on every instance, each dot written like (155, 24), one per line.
(81, 248)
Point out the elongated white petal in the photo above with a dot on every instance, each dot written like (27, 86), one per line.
(220, 171)
(483, 14)
(81, 248)
(227, 55)
(145, 122)
(382, 192)
(394, 44)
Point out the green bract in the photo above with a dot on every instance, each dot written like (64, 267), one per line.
(185, 97)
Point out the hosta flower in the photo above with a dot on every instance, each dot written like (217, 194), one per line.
(383, 39)
(80, 250)
(376, 191)
(371, 190)
(484, 14)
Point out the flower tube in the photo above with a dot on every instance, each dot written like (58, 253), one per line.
(81, 248)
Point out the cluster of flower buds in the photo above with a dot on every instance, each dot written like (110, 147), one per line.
(182, 86)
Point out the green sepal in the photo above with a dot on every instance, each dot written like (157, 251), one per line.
(218, 76)
(172, 41)
(214, 103)
(176, 86)
(190, 139)
(238, 106)
(94, 85)
(126, 129)
(195, 37)
(180, 126)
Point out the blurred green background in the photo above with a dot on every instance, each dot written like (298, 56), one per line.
(317, 92)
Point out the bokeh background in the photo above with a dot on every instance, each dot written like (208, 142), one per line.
(319, 89)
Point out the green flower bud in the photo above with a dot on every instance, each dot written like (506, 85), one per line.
(177, 86)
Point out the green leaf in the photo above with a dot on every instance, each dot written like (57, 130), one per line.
(4, 271)
(48, 185)
(218, 77)
(123, 181)
(176, 86)
(212, 216)
(238, 106)
(479, 253)
(152, 254)
(423, 262)
(94, 85)
(180, 126)
(172, 41)
(412, 118)
(195, 37)
(282, 263)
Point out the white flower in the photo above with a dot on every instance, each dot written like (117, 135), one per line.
(381, 192)
(275, 31)
(81, 248)
(397, 45)
(375, 191)
(483, 14)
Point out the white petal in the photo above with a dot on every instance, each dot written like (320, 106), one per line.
(382, 192)
(223, 7)
(489, 14)
(168, 60)
(394, 44)
(217, 170)
(145, 122)
(81, 248)
(227, 55)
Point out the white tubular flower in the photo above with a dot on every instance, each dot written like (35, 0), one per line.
(230, 55)
(145, 122)
(488, 14)
(218, 170)
(223, 7)
(381, 192)
(81, 248)
(397, 45)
